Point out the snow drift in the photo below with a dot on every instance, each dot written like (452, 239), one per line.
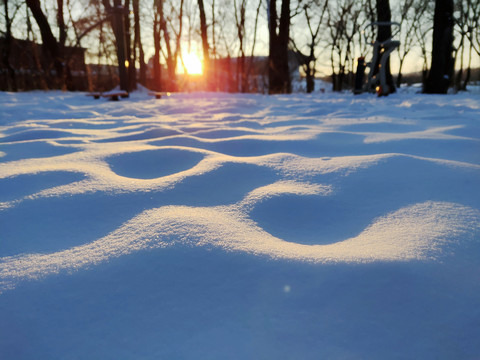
(306, 181)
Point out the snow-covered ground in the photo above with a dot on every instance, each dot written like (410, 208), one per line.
(220, 226)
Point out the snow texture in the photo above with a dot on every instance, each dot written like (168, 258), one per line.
(220, 226)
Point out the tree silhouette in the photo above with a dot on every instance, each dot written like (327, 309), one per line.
(441, 71)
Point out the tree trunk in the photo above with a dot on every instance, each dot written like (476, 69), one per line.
(138, 42)
(458, 78)
(157, 74)
(251, 59)
(204, 34)
(310, 78)
(279, 81)
(171, 57)
(49, 41)
(240, 22)
(62, 29)
(129, 49)
(440, 75)
(120, 39)
(469, 69)
(400, 75)
(384, 33)
(116, 14)
(311, 69)
(11, 80)
(67, 80)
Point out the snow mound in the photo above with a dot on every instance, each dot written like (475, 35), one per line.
(261, 175)
(239, 226)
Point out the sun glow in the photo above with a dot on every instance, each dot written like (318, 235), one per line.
(193, 64)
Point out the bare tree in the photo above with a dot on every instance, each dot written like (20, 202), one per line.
(474, 35)
(384, 16)
(138, 53)
(204, 35)
(279, 35)
(157, 68)
(129, 63)
(105, 51)
(8, 43)
(235, 43)
(116, 16)
(314, 14)
(213, 27)
(344, 23)
(440, 75)
(472, 26)
(240, 12)
(423, 30)
(412, 12)
(228, 29)
(49, 41)
(466, 20)
(254, 41)
(170, 22)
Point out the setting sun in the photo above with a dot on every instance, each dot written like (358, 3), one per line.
(193, 64)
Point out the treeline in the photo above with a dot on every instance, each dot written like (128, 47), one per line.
(130, 42)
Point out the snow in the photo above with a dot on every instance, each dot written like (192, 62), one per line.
(230, 226)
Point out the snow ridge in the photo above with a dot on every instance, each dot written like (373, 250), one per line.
(165, 156)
